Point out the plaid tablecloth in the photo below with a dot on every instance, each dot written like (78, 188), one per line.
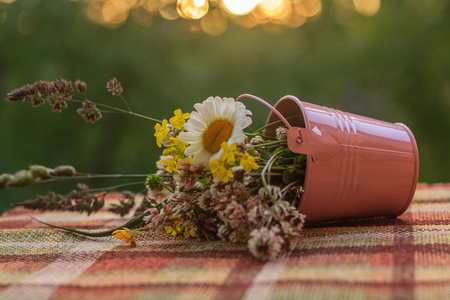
(404, 258)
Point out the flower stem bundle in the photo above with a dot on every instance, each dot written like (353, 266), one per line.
(213, 179)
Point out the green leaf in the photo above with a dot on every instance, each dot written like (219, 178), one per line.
(279, 149)
(292, 174)
(204, 181)
(131, 224)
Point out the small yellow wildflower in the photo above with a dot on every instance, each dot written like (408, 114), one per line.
(125, 234)
(220, 170)
(173, 230)
(170, 230)
(189, 232)
(241, 237)
(248, 162)
(178, 120)
(228, 153)
(171, 164)
(161, 132)
(176, 143)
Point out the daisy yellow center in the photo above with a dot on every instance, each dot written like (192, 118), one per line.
(218, 131)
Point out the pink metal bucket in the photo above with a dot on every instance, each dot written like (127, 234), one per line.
(356, 166)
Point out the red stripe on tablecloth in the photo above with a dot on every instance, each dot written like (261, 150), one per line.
(240, 278)
(404, 262)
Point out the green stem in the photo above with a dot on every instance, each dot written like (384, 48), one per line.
(119, 110)
(261, 135)
(130, 224)
(114, 187)
(139, 229)
(125, 102)
(269, 144)
(268, 174)
(89, 176)
(167, 187)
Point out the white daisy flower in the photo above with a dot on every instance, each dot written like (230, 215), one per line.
(216, 120)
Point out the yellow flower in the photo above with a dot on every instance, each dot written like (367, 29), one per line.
(220, 170)
(241, 237)
(125, 234)
(175, 142)
(188, 232)
(228, 153)
(161, 132)
(178, 120)
(171, 164)
(173, 230)
(170, 230)
(248, 162)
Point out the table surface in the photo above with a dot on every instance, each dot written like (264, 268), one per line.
(403, 258)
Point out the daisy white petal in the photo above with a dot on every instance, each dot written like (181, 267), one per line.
(216, 121)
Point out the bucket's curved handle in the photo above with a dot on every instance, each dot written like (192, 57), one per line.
(321, 146)
(273, 109)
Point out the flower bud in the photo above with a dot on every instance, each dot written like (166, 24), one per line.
(257, 140)
(4, 179)
(81, 86)
(279, 209)
(39, 171)
(21, 179)
(274, 193)
(153, 182)
(281, 133)
(64, 171)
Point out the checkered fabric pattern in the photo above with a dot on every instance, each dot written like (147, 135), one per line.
(403, 258)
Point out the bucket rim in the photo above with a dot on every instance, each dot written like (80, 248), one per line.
(416, 170)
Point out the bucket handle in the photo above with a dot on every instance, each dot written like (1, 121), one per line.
(321, 146)
(273, 109)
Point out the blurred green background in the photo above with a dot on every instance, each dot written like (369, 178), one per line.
(393, 66)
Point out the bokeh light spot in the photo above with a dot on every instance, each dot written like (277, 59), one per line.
(272, 7)
(94, 11)
(239, 7)
(214, 23)
(367, 7)
(192, 9)
(27, 23)
(311, 7)
(169, 11)
(115, 13)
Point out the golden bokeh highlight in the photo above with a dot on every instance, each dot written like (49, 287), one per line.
(310, 8)
(169, 11)
(272, 7)
(367, 7)
(213, 16)
(239, 7)
(192, 9)
(214, 23)
(114, 13)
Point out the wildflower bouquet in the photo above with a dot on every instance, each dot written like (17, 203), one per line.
(216, 179)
